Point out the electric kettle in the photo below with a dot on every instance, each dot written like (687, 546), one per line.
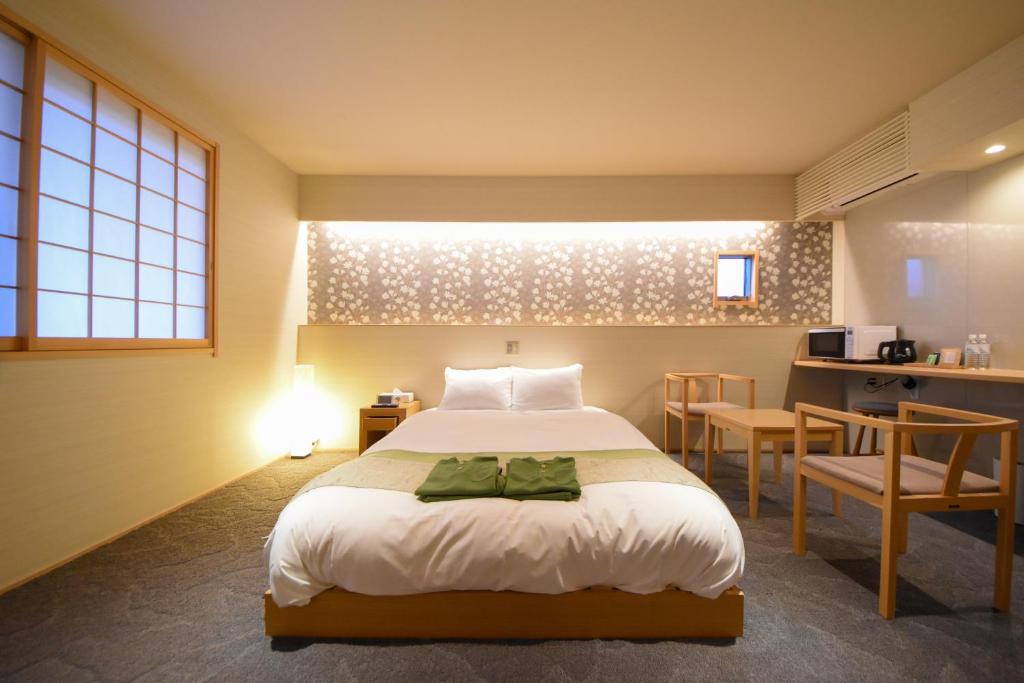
(897, 352)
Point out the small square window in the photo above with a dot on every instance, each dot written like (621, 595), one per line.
(735, 279)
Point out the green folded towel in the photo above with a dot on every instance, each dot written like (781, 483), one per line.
(532, 479)
(454, 479)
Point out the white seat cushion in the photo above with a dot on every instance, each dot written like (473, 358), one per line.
(701, 408)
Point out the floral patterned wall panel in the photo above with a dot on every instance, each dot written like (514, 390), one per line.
(561, 273)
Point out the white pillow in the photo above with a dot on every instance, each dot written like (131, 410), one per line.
(489, 389)
(548, 389)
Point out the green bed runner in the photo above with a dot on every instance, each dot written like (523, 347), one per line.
(399, 470)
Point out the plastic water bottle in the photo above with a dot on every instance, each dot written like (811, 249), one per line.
(972, 355)
(984, 352)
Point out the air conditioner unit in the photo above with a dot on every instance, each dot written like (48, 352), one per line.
(876, 163)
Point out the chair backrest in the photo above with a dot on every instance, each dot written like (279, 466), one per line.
(698, 383)
(971, 425)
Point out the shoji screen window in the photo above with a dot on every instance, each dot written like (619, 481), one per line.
(12, 69)
(123, 227)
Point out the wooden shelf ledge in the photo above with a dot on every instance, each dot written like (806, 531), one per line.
(919, 370)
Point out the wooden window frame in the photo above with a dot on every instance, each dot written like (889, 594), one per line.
(27, 345)
(750, 302)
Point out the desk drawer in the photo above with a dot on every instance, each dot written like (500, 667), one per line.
(379, 424)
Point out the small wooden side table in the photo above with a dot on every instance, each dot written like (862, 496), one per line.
(768, 424)
(375, 423)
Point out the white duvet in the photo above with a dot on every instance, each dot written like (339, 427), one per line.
(640, 537)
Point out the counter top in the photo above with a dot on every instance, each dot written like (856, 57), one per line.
(920, 370)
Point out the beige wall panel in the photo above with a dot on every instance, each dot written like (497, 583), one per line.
(623, 366)
(92, 447)
(590, 198)
(968, 229)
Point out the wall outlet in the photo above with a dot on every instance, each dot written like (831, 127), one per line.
(512, 347)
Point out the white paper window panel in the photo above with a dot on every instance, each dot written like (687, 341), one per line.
(10, 161)
(66, 133)
(63, 177)
(113, 236)
(63, 269)
(8, 262)
(156, 211)
(191, 289)
(116, 115)
(191, 190)
(156, 284)
(63, 223)
(66, 88)
(191, 157)
(10, 111)
(113, 318)
(191, 257)
(191, 322)
(12, 60)
(113, 277)
(156, 247)
(113, 195)
(8, 312)
(191, 223)
(157, 174)
(62, 315)
(116, 155)
(156, 321)
(731, 277)
(157, 138)
(8, 211)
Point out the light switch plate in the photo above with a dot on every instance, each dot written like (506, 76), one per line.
(512, 347)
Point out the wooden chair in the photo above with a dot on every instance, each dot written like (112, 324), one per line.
(689, 408)
(899, 483)
(875, 409)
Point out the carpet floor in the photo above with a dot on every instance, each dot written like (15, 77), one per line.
(180, 599)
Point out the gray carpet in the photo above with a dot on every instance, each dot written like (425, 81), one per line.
(180, 599)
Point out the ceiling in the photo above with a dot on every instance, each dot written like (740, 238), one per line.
(543, 87)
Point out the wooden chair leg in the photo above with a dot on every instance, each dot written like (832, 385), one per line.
(708, 451)
(721, 440)
(874, 441)
(753, 472)
(799, 512)
(858, 441)
(777, 453)
(904, 531)
(887, 583)
(836, 450)
(684, 456)
(665, 440)
(1004, 560)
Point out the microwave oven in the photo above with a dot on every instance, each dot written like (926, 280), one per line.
(852, 343)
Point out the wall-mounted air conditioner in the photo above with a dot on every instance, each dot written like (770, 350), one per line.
(877, 162)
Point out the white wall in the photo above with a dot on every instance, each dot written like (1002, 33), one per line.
(91, 447)
(968, 230)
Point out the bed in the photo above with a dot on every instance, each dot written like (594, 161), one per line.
(647, 550)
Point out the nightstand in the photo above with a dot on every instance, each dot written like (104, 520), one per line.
(375, 423)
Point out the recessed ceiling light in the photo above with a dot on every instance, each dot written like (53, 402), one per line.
(995, 149)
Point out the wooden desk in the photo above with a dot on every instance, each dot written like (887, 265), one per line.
(919, 370)
(758, 425)
(375, 423)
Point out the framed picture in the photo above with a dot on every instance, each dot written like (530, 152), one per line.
(933, 359)
(949, 357)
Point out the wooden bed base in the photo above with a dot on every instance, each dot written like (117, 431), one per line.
(593, 613)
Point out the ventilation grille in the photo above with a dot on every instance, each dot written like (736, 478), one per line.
(877, 160)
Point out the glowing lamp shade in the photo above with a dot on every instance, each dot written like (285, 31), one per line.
(302, 410)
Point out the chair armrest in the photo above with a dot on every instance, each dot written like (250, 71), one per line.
(740, 379)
